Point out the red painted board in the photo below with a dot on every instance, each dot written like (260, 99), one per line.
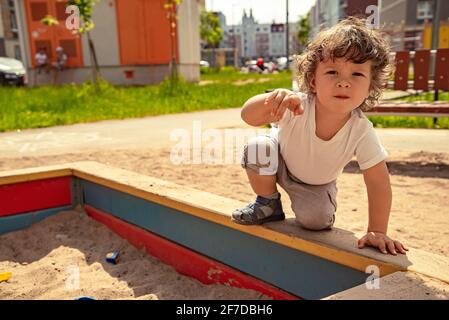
(34, 195)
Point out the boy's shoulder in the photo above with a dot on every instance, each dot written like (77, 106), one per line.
(360, 123)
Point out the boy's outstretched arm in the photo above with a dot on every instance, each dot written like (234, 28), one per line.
(378, 186)
(269, 107)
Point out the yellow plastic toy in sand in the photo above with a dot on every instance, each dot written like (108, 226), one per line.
(5, 276)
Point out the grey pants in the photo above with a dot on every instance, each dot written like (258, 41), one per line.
(314, 205)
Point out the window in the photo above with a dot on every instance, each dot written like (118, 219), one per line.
(69, 47)
(38, 11)
(14, 29)
(425, 9)
(17, 53)
(60, 11)
(2, 47)
(45, 45)
(13, 21)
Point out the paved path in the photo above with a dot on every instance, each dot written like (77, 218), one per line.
(154, 132)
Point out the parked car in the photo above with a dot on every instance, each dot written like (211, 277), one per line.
(12, 72)
(204, 63)
(282, 63)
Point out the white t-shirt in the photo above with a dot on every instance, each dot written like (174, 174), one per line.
(315, 161)
(41, 58)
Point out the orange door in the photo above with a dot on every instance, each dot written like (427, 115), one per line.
(157, 29)
(50, 37)
(131, 31)
(65, 37)
(144, 32)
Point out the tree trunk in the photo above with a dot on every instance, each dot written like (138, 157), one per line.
(173, 68)
(93, 55)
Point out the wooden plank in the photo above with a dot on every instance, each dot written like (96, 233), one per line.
(34, 195)
(397, 286)
(25, 220)
(33, 174)
(421, 69)
(185, 261)
(410, 108)
(442, 70)
(401, 73)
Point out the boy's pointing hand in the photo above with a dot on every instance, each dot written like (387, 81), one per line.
(282, 99)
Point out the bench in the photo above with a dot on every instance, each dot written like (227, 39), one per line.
(425, 79)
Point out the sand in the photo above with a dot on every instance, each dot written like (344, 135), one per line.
(46, 257)
(419, 218)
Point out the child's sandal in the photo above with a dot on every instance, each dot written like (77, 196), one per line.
(253, 214)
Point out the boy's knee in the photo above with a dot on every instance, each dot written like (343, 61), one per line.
(260, 154)
(318, 220)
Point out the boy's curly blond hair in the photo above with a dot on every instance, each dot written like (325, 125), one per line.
(353, 40)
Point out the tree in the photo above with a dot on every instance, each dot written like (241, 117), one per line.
(171, 7)
(85, 8)
(210, 30)
(304, 30)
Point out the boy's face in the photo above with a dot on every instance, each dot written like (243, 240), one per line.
(341, 85)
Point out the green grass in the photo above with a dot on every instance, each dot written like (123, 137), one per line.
(408, 122)
(22, 108)
(426, 96)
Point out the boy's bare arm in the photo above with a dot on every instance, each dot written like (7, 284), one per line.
(269, 107)
(377, 181)
(378, 186)
(256, 113)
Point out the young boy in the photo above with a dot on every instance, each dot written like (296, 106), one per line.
(318, 131)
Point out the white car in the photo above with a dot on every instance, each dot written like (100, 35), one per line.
(282, 63)
(204, 63)
(12, 72)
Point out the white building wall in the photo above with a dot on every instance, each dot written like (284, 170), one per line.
(23, 33)
(2, 31)
(248, 31)
(278, 42)
(189, 40)
(104, 35)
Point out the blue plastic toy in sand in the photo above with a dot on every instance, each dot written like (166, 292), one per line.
(85, 298)
(112, 257)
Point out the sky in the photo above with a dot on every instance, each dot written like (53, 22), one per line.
(264, 11)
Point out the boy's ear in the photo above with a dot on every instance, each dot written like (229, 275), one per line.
(312, 85)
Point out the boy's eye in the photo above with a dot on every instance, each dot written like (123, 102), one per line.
(332, 72)
(358, 74)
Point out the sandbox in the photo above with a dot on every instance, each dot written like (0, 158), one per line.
(191, 231)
